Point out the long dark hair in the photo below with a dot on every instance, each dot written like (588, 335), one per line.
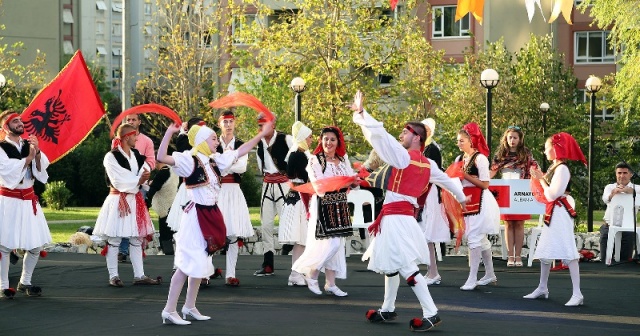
(522, 153)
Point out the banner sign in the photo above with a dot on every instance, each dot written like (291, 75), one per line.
(515, 198)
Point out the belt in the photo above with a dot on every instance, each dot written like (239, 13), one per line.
(275, 178)
(27, 194)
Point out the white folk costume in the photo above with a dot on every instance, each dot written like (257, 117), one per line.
(22, 225)
(234, 207)
(162, 192)
(482, 215)
(124, 213)
(398, 245)
(557, 239)
(271, 163)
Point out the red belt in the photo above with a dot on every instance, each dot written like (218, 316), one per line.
(560, 201)
(275, 178)
(393, 208)
(22, 194)
(142, 213)
(228, 179)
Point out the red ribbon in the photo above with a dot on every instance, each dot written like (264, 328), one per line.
(23, 194)
(393, 208)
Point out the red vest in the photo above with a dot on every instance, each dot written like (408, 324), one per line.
(413, 180)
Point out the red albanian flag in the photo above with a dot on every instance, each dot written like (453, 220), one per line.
(65, 111)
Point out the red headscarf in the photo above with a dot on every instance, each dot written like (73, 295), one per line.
(567, 148)
(341, 150)
(477, 139)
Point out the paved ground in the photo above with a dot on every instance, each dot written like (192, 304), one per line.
(77, 301)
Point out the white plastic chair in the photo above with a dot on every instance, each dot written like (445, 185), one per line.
(503, 242)
(359, 198)
(619, 216)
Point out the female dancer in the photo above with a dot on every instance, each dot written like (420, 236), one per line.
(202, 230)
(482, 213)
(293, 226)
(513, 160)
(434, 221)
(557, 237)
(329, 221)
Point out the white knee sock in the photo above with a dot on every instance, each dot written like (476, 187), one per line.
(474, 264)
(232, 260)
(487, 260)
(112, 256)
(391, 285)
(574, 271)
(545, 269)
(192, 292)
(4, 267)
(29, 264)
(135, 255)
(296, 252)
(177, 281)
(421, 290)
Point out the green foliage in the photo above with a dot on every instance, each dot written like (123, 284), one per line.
(251, 184)
(56, 195)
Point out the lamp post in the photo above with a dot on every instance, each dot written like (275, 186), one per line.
(544, 107)
(592, 85)
(297, 85)
(489, 79)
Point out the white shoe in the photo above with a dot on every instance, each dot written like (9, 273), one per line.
(313, 286)
(434, 281)
(334, 290)
(575, 301)
(469, 287)
(487, 280)
(538, 293)
(173, 318)
(296, 279)
(193, 312)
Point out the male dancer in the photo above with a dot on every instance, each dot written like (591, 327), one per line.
(124, 213)
(231, 202)
(399, 244)
(22, 225)
(272, 150)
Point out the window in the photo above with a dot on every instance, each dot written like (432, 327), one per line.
(382, 79)
(117, 7)
(205, 40)
(115, 73)
(445, 25)
(147, 9)
(101, 50)
(282, 16)
(67, 16)
(604, 114)
(100, 5)
(389, 16)
(99, 28)
(147, 53)
(240, 24)
(593, 47)
(116, 29)
(67, 46)
(147, 30)
(116, 51)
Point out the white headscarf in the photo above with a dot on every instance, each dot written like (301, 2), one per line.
(431, 124)
(300, 133)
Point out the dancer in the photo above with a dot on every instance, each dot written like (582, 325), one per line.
(398, 245)
(482, 216)
(557, 238)
(513, 160)
(22, 225)
(270, 154)
(293, 225)
(124, 213)
(231, 201)
(329, 220)
(433, 218)
(202, 231)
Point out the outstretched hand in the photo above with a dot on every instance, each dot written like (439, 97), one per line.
(173, 129)
(358, 99)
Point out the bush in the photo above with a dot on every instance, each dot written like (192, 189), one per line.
(56, 195)
(251, 184)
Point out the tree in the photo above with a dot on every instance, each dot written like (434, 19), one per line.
(338, 47)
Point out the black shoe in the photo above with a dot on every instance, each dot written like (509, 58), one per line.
(13, 258)
(265, 271)
(8, 293)
(122, 257)
(424, 324)
(377, 316)
(30, 290)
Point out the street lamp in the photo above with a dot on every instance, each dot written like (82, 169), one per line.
(489, 79)
(544, 107)
(297, 85)
(593, 85)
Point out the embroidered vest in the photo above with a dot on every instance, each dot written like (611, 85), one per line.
(124, 162)
(199, 175)
(411, 181)
(12, 151)
(278, 151)
(549, 176)
(237, 178)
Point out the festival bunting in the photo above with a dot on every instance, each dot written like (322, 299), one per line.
(531, 9)
(475, 7)
(562, 6)
(63, 114)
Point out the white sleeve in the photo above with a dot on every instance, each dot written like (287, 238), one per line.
(483, 168)
(225, 160)
(12, 171)
(439, 178)
(387, 147)
(124, 180)
(314, 169)
(558, 184)
(183, 163)
(239, 166)
(607, 192)
(40, 175)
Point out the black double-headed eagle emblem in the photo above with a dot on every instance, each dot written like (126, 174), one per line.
(46, 124)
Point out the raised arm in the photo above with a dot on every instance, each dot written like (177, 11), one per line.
(164, 145)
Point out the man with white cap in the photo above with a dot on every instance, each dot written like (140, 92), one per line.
(202, 229)
(293, 223)
(22, 225)
(271, 154)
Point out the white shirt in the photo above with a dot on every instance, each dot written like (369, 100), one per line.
(14, 174)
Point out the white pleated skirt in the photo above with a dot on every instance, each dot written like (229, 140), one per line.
(234, 210)
(487, 221)
(293, 224)
(557, 240)
(434, 219)
(191, 255)
(399, 244)
(110, 224)
(176, 211)
(20, 227)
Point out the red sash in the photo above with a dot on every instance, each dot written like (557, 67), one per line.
(142, 213)
(22, 194)
(474, 204)
(228, 179)
(393, 208)
(560, 201)
(212, 226)
(275, 178)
